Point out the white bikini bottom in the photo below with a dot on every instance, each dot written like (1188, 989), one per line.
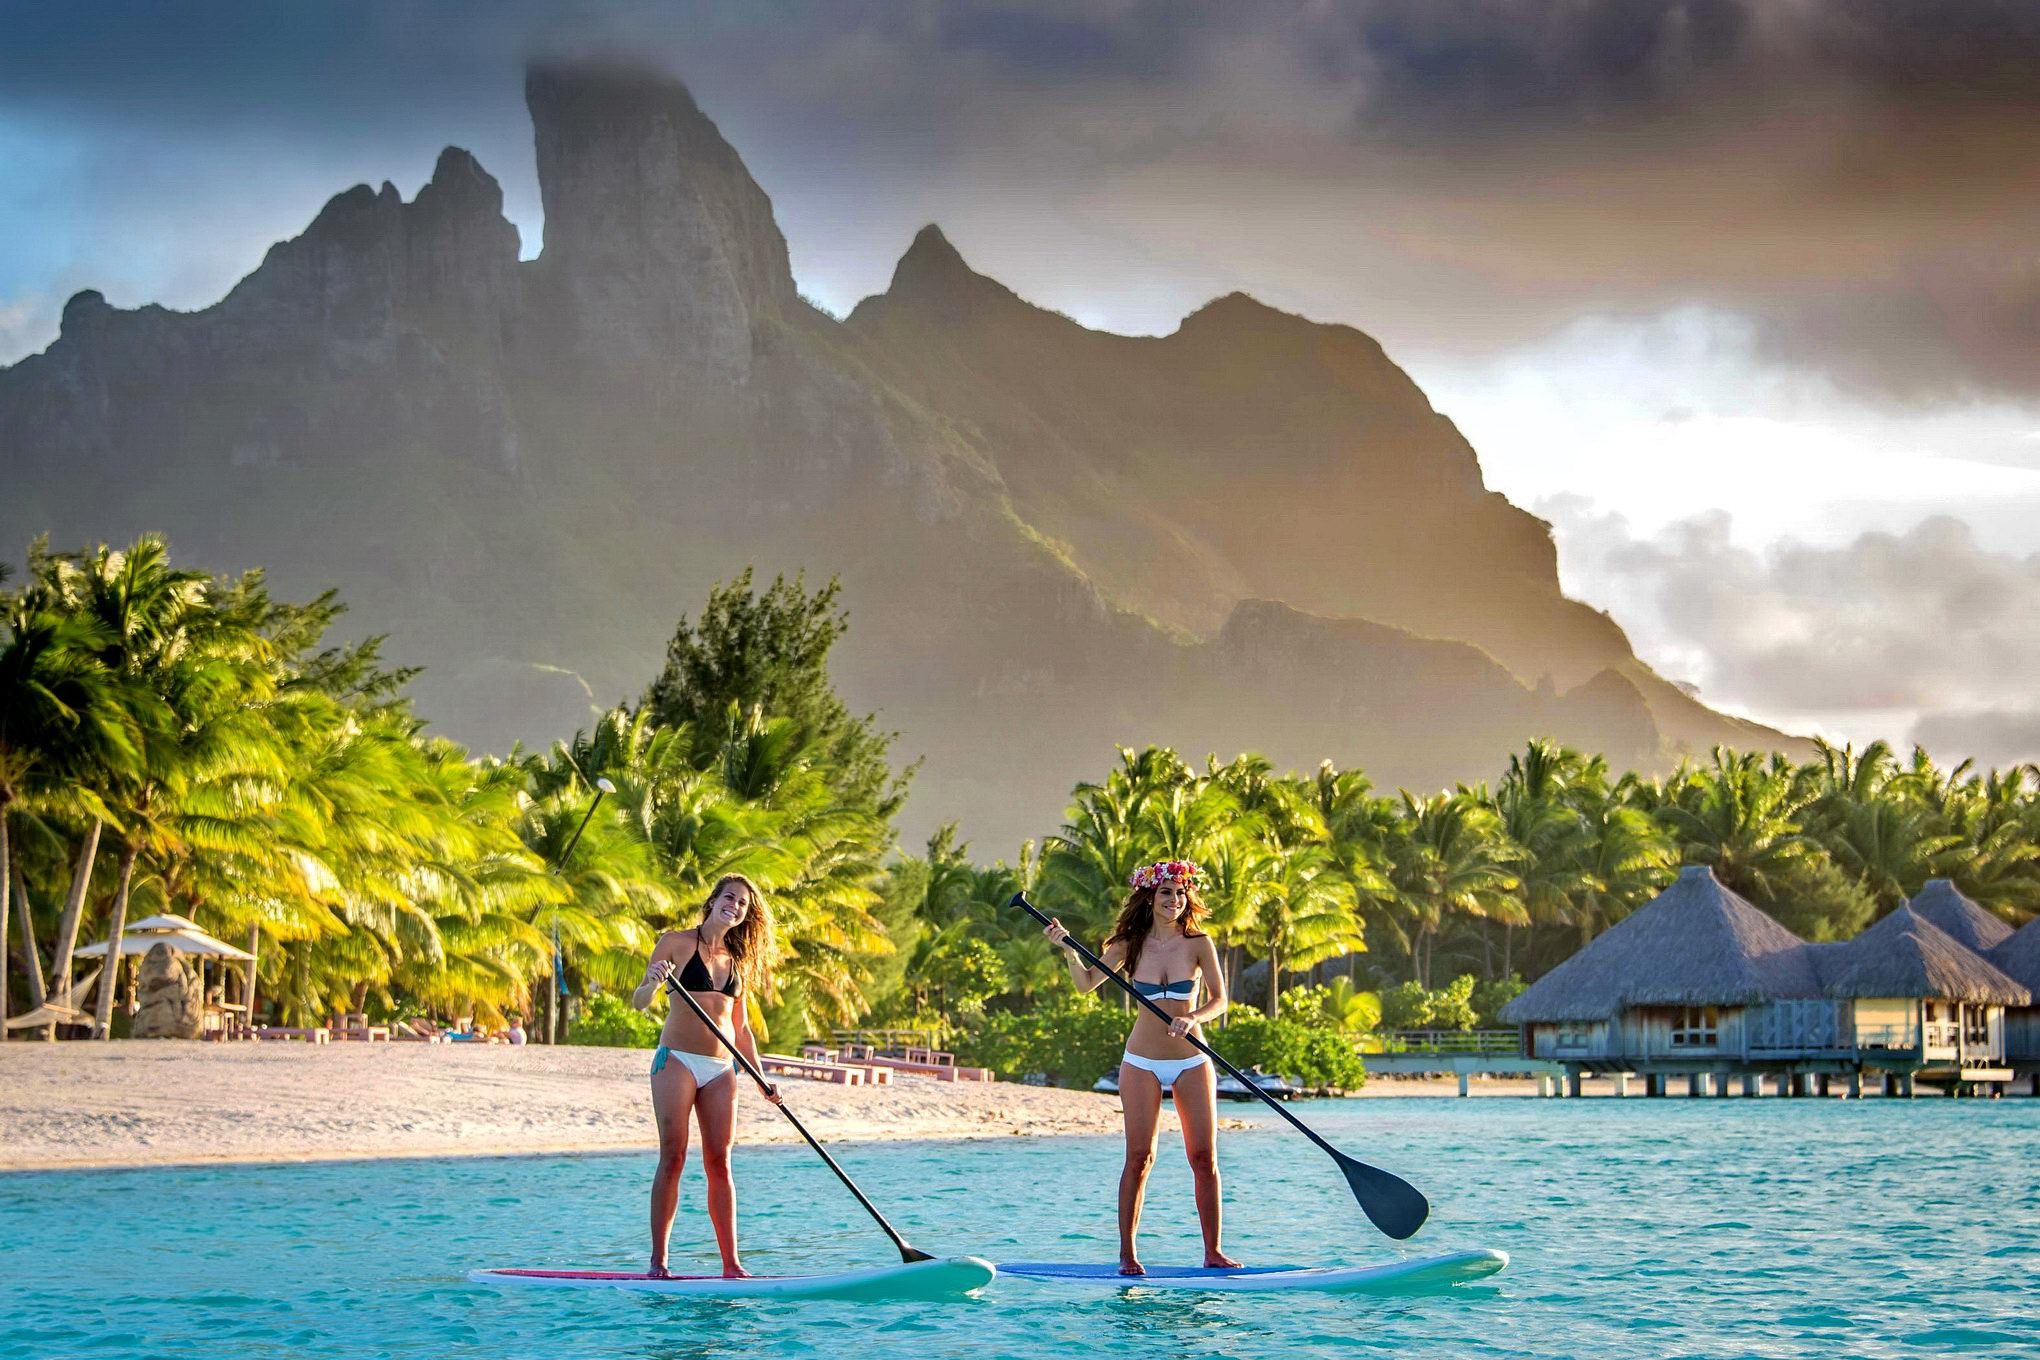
(706, 1067)
(1166, 1070)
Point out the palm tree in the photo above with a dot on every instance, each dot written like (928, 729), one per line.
(64, 719)
(1740, 815)
(1450, 855)
(1307, 913)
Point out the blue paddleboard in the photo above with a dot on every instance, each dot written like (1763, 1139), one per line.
(1428, 1272)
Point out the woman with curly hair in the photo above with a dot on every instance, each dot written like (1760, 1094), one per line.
(716, 960)
(1157, 945)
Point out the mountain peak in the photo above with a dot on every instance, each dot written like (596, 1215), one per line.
(663, 245)
(934, 277)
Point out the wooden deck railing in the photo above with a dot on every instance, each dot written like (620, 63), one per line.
(1444, 1043)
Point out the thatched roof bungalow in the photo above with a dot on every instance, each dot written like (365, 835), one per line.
(2018, 958)
(1914, 987)
(1676, 977)
(1700, 979)
(1969, 925)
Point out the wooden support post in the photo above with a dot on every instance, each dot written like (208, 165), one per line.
(1856, 1084)
(1653, 1084)
(1752, 1084)
(1465, 1083)
(1905, 1084)
(1621, 1083)
(1576, 1082)
(1823, 1088)
(254, 948)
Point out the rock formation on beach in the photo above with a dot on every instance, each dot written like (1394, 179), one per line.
(1253, 533)
(169, 1000)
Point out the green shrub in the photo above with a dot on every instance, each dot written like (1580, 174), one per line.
(1312, 1055)
(1072, 1039)
(611, 1022)
(1490, 996)
(1452, 1008)
(1407, 1006)
(1338, 1006)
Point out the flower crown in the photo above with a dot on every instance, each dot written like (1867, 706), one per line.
(1180, 870)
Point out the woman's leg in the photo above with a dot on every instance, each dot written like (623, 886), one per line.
(1140, 1096)
(672, 1099)
(716, 1109)
(1196, 1093)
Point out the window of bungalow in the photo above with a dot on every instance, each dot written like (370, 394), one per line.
(1696, 1027)
(1574, 1035)
(1975, 1025)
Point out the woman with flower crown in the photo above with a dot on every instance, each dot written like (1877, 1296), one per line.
(1157, 945)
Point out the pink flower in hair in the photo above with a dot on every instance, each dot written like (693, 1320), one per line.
(1177, 870)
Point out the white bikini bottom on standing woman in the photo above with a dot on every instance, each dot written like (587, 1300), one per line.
(706, 1067)
(1166, 1070)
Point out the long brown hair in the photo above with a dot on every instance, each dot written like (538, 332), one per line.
(750, 940)
(1137, 919)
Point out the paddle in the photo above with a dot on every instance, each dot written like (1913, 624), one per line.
(1396, 1207)
(908, 1253)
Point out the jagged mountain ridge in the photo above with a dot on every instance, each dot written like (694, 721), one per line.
(1253, 533)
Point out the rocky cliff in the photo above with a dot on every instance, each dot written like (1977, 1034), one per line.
(1252, 533)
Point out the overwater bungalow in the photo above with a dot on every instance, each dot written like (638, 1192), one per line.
(1701, 983)
(1919, 999)
(2018, 958)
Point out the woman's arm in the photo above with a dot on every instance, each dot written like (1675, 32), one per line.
(1086, 977)
(1214, 982)
(662, 962)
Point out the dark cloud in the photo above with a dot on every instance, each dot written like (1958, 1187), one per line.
(1923, 633)
(1992, 737)
(1856, 178)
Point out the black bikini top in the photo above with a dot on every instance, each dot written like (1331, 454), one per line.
(695, 977)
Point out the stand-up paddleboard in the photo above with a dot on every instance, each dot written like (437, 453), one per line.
(944, 1278)
(1430, 1272)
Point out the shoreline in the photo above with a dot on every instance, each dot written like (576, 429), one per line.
(87, 1106)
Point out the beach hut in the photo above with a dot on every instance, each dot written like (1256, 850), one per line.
(1921, 999)
(1962, 920)
(184, 937)
(1694, 978)
(2018, 958)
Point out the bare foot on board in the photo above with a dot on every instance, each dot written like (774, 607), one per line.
(1218, 1260)
(1129, 1266)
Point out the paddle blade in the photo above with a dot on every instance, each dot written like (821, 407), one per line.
(913, 1254)
(1396, 1207)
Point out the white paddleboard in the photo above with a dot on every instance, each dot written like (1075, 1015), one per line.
(1429, 1272)
(941, 1278)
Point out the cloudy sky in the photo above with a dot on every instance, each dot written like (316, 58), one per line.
(1743, 295)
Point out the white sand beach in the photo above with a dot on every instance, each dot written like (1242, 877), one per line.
(141, 1103)
(158, 1103)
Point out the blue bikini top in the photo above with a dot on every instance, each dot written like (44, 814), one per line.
(1167, 991)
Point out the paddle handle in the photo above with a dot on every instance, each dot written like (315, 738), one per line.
(907, 1252)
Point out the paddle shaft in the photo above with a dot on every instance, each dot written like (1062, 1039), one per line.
(1093, 961)
(907, 1252)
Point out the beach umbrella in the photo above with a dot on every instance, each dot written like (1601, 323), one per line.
(180, 933)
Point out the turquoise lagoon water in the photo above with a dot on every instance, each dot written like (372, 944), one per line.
(1639, 1228)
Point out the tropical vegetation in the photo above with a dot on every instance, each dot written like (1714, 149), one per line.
(178, 742)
